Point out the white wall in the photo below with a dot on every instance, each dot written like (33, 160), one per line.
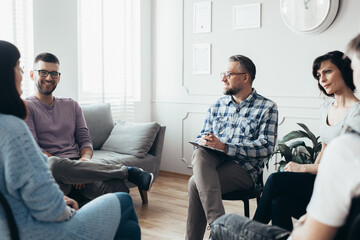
(55, 31)
(283, 61)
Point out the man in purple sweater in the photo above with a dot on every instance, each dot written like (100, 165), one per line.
(59, 128)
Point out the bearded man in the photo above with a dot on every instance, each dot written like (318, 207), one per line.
(59, 128)
(242, 124)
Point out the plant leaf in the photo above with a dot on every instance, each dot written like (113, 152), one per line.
(297, 144)
(293, 135)
(318, 147)
(298, 159)
(311, 152)
(311, 135)
(317, 150)
(298, 151)
(285, 151)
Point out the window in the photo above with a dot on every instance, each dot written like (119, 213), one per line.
(109, 54)
(16, 26)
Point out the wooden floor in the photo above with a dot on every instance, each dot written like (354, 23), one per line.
(164, 217)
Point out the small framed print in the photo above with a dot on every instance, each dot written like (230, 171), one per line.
(202, 17)
(247, 16)
(202, 58)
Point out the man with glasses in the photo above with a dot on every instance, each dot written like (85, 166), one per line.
(242, 124)
(59, 128)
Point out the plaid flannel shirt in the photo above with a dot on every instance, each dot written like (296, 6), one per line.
(249, 130)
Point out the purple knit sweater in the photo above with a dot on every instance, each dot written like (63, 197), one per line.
(60, 128)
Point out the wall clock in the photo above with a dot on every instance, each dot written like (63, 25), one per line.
(308, 16)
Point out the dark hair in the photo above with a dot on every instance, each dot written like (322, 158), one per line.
(342, 62)
(10, 100)
(46, 57)
(246, 63)
(354, 46)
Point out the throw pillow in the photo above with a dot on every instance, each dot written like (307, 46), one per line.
(132, 138)
(99, 121)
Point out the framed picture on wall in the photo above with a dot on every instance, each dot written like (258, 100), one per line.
(202, 58)
(247, 16)
(202, 17)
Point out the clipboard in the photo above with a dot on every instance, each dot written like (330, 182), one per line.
(208, 147)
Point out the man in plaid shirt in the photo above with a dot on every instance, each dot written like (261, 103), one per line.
(242, 124)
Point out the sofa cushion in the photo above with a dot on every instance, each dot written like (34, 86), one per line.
(132, 138)
(99, 121)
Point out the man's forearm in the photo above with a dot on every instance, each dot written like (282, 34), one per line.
(312, 229)
(86, 153)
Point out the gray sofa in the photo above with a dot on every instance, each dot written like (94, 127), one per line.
(100, 123)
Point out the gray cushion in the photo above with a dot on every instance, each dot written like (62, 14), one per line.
(99, 121)
(132, 138)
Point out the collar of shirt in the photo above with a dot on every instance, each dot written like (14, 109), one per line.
(245, 102)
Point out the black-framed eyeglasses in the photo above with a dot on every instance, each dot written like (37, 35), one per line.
(227, 75)
(44, 73)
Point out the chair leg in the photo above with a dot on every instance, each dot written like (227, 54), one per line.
(143, 195)
(246, 208)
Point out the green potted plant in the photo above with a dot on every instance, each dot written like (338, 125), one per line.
(292, 147)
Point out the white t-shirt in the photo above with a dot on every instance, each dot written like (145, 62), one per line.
(337, 181)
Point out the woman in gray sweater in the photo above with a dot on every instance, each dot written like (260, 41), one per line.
(40, 209)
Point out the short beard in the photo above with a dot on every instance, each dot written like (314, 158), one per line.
(232, 91)
(47, 93)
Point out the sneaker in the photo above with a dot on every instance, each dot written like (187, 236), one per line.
(140, 178)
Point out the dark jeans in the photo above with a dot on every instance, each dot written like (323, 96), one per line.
(235, 227)
(129, 226)
(285, 195)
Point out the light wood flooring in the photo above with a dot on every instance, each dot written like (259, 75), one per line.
(164, 217)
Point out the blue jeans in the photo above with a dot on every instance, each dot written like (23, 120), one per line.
(235, 227)
(129, 226)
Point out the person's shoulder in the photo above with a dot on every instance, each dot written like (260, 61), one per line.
(326, 104)
(357, 107)
(67, 101)
(264, 100)
(10, 122)
(224, 100)
(31, 101)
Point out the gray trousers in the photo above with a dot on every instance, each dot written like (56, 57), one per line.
(235, 227)
(98, 178)
(211, 178)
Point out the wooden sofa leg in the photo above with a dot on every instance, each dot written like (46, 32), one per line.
(143, 195)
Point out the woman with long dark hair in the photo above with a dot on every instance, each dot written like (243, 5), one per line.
(286, 194)
(40, 209)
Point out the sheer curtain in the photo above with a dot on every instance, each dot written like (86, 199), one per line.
(16, 26)
(109, 54)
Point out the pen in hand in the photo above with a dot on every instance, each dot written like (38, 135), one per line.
(206, 137)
